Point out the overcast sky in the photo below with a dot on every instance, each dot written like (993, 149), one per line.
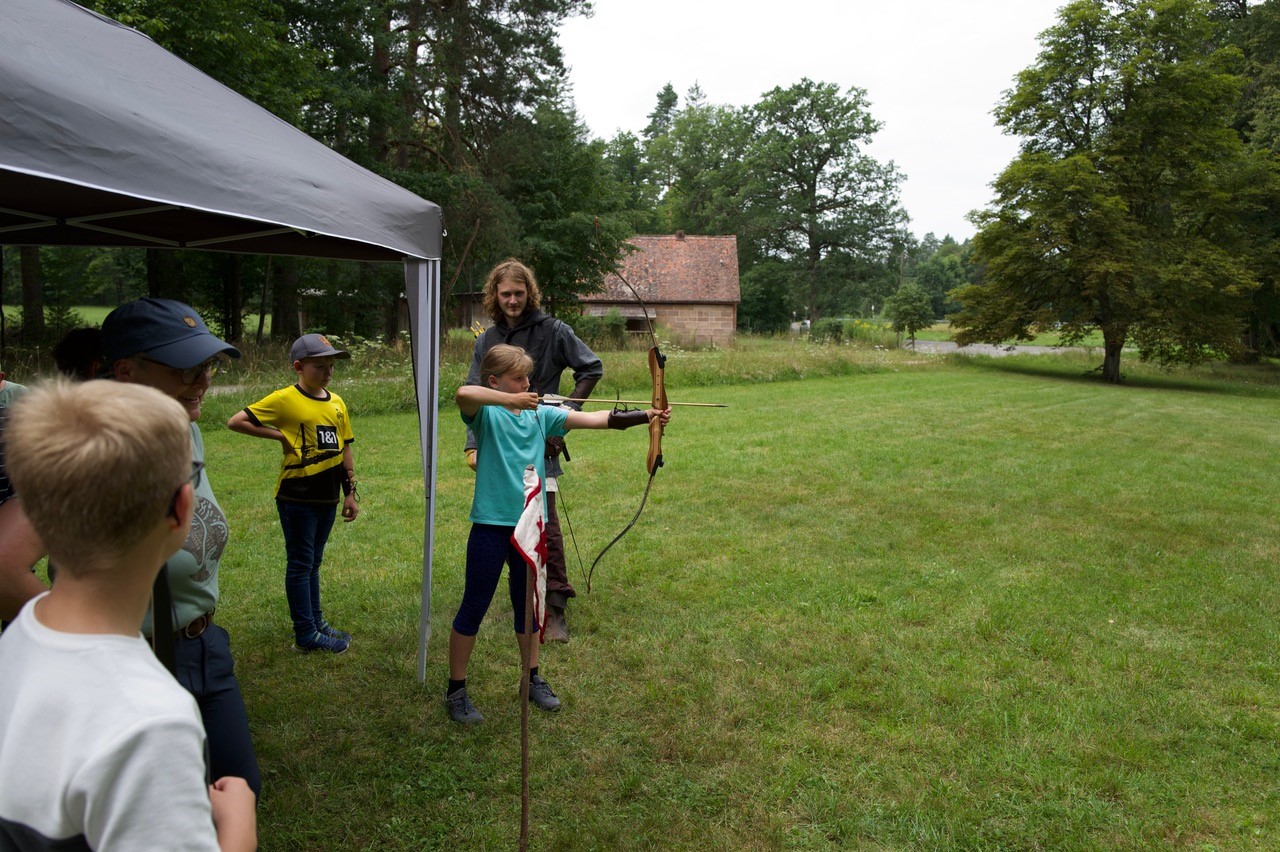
(933, 71)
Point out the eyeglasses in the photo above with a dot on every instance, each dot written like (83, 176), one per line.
(190, 375)
(197, 470)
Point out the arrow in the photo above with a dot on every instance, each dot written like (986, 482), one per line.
(552, 399)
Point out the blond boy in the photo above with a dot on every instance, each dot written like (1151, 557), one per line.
(100, 748)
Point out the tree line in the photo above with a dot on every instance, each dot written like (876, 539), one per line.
(1141, 202)
(466, 102)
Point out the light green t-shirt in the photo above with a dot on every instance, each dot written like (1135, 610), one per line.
(10, 392)
(193, 570)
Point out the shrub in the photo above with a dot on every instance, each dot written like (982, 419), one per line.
(828, 329)
(606, 332)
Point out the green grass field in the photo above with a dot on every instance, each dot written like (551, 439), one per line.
(922, 603)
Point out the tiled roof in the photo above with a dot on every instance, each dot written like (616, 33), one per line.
(677, 268)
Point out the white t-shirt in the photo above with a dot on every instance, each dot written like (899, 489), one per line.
(99, 745)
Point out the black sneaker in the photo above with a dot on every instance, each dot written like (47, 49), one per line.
(327, 629)
(461, 709)
(319, 642)
(541, 696)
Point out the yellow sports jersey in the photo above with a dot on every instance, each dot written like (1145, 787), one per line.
(318, 430)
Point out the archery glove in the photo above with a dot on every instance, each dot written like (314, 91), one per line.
(627, 419)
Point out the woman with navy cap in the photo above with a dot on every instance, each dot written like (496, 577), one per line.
(164, 344)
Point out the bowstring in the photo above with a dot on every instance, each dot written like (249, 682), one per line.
(653, 335)
(564, 504)
(644, 499)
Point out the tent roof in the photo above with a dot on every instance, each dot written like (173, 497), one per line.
(108, 139)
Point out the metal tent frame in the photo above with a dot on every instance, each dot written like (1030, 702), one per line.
(107, 139)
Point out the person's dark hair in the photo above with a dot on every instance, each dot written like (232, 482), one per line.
(79, 353)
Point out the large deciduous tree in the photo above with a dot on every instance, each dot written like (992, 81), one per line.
(700, 158)
(938, 276)
(634, 175)
(567, 202)
(817, 201)
(1122, 209)
(1256, 30)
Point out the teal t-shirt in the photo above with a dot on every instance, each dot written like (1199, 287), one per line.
(507, 442)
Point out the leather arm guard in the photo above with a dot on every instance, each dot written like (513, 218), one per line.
(627, 419)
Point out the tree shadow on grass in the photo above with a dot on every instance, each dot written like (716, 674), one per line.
(1260, 380)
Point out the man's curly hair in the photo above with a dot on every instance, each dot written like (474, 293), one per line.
(515, 271)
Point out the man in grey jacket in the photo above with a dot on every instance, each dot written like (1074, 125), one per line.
(513, 301)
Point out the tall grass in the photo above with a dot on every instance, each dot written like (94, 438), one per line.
(379, 379)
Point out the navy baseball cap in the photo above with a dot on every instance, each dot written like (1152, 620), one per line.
(314, 346)
(164, 330)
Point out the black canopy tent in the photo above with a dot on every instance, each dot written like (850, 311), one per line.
(107, 139)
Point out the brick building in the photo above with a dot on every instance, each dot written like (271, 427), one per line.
(689, 283)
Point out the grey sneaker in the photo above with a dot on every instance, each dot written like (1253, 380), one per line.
(461, 709)
(541, 696)
(319, 642)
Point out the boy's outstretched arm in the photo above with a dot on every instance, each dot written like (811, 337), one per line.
(471, 398)
(240, 422)
(233, 814)
(614, 419)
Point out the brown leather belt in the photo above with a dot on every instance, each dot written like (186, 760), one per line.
(198, 626)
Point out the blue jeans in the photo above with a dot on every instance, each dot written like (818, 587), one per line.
(306, 530)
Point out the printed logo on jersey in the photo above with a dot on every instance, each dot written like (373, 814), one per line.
(327, 437)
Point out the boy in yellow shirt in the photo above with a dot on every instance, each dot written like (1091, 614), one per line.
(317, 473)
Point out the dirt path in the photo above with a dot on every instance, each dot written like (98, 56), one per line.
(946, 346)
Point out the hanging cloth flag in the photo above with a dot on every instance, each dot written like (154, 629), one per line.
(530, 539)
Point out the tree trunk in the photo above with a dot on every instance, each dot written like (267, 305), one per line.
(415, 14)
(233, 298)
(284, 302)
(262, 303)
(390, 312)
(1113, 345)
(32, 296)
(454, 56)
(162, 274)
(383, 67)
